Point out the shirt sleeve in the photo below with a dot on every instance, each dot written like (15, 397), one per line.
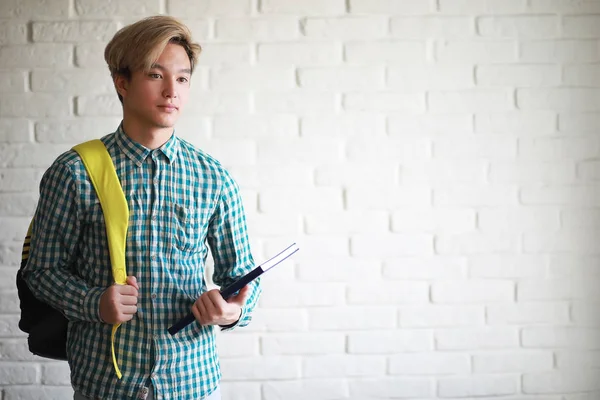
(228, 241)
(55, 238)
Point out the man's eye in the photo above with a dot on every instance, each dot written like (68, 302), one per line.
(154, 76)
(183, 80)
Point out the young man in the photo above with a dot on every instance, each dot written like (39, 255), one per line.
(180, 200)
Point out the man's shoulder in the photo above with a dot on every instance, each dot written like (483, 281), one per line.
(196, 155)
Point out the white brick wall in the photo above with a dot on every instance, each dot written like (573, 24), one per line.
(438, 162)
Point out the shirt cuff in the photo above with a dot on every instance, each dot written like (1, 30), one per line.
(243, 318)
(91, 304)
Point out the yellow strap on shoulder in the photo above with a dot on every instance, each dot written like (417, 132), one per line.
(101, 171)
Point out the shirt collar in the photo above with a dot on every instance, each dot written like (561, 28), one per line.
(138, 153)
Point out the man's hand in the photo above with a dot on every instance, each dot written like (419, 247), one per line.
(211, 309)
(118, 303)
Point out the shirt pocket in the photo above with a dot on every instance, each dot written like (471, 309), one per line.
(188, 228)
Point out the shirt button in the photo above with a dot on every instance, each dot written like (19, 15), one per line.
(153, 257)
(153, 296)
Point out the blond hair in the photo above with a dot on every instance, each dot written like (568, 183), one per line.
(138, 46)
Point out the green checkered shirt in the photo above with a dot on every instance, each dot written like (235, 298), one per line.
(181, 202)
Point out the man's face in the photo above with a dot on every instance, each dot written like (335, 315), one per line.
(156, 98)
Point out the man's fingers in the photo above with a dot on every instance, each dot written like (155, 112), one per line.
(127, 290)
(132, 280)
(241, 297)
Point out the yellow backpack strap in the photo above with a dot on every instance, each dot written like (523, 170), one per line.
(101, 171)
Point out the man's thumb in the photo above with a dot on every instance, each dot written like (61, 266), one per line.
(131, 280)
(241, 297)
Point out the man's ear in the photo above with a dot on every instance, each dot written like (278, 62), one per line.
(121, 84)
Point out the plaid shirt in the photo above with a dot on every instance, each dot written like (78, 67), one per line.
(180, 199)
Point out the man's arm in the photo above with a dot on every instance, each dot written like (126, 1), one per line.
(228, 241)
(55, 236)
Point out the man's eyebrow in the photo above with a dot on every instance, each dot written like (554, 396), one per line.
(158, 66)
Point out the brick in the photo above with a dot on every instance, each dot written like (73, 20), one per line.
(389, 7)
(476, 243)
(391, 245)
(341, 366)
(344, 28)
(73, 81)
(10, 254)
(338, 269)
(558, 51)
(517, 220)
(241, 390)
(559, 195)
(300, 102)
(73, 31)
(303, 344)
(436, 316)
(388, 293)
(13, 32)
(13, 81)
(9, 302)
(348, 174)
(273, 224)
(384, 102)
(580, 218)
(574, 240)
(533, 313)
(90, 55)
(532, 172)
(307, 7)
(430, 268)
(251, 127)
(232, 55)
(507, 266)
(9, 324)
(34, 9)
(420, 124)
(475, 147)
(15, 130)
(581, 26)
(409, 148)
(585, 313)
(278, 320)
(467, 195)
(56, 374)
(324, 246)
(512, 362)
(567, 265)
(7, 276)
(477, 338)
(446, 77)
(480, 51)
(340, 223)
(259, 29)
(544, 289)
(554, 148)
(432, 27)
(564, 6)
(362, 125)
(104, 105)
(429, 364)
(518, 75)
(214, 103)
(306, 389)
(29, 155)
(576, 380)
(471, 7)
(471, 291)
(344, 78)
(552, 337)
(237, 345)
(516, 122)
(232, 78)
(442, 172)
(264, 367)
(561, 99)
(387, 198)
(232, 152)
(201, 30)
(572, 359)
(392, 52)
(38, 55)
(303, 294)
(267, 176)
(390, 341)
(112, 8)
(18, 204)
(301, 54)
(581, 75)
(477, 386)
(351, 318)
(470, 101)
(74, 130)
(35, 105)
(539, 26)
(310, 150)
(434, 221)
(391, 387)
(38, 392)
(16, 349)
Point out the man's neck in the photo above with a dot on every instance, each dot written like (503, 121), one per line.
(149, 137)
